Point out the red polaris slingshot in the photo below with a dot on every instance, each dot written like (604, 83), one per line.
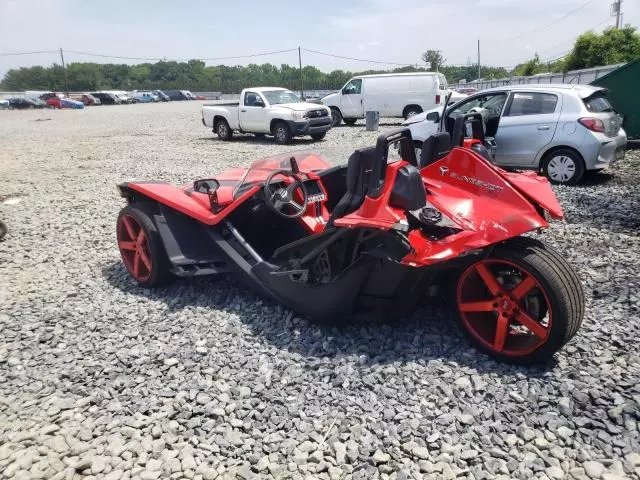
(369, 238)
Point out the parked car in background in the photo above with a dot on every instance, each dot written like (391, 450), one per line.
(57, 102)
(200, 97)
(85, 98)
(561, 130)
(146, 97)
(467, 90)
(23, 103)
(176, 94)
(392, 95)
(268, 110)
(4, 104)
(163, 97)
(124, 98)
(39, 94)
(455, 97)
(106, 98)
(188, 94)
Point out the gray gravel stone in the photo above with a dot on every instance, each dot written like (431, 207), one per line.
(204, 375)
(593, 469)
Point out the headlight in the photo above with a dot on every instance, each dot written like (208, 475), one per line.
(299, 115)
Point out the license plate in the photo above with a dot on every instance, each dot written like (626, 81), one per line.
(620, 154)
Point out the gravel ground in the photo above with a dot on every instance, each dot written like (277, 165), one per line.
(203, 380)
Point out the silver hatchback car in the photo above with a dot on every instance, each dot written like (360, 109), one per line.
(562, 130)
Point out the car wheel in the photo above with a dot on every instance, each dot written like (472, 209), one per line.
(350, 121)
(223, 130)
(411, 111)
(336, 117)
(417, 146)
(521, 303)
(319, 136)
(141, 247)
(563, 167)
(282, 133)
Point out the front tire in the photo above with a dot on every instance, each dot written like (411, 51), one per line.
(223, 130)
(350, 121)
(522, 303)
(336, 117)
(141, 247)
(563, 167)
(319, 136)
(282, 133)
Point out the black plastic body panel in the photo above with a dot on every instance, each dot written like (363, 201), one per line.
(408, 191)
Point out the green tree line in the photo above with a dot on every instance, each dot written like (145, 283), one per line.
(194, 75)
(590, 50)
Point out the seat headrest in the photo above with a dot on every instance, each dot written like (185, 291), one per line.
(359, 164)
(434, 148)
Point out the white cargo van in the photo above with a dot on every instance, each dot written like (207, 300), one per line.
(393, 95)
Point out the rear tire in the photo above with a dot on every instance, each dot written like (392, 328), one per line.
(563, 167)
(411, 110)
(282, 133)
(319, 136)
(143, 254)
(223, 130)
(350, 121)
(336, 117)
(552, 295)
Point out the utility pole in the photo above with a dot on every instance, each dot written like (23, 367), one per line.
(479, 71)
(301, 75)
(616, 10)
(64, 71)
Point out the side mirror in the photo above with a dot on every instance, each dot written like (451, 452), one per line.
(210, 187)
(433, 117)
(259, 103)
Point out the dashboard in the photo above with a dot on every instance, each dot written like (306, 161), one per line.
(315, 194)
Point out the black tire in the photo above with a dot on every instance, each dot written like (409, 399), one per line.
(160, 272)
(319, 136)
(561, 156)
(411, 110)
(3, 230)
(350, 121)
(561, 286)
(223, 130)
(336, 117)
(282, 133)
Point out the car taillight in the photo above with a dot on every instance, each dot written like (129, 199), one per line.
(593, 124)
(437, 99)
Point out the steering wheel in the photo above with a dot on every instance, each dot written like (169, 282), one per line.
(281, 199)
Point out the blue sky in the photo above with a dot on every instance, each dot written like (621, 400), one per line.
(389, 30)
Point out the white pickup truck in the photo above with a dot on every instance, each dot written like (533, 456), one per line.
(268, 111)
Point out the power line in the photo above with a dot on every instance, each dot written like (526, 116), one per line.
(584, 4)
(357, 59)
(92, 54)
(26, 53)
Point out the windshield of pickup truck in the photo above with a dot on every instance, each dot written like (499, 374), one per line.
(276, 97)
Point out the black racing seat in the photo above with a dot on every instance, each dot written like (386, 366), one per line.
(358, 172)
(434, 148)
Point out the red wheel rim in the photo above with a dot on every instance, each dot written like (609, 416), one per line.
(504, 307)
(134, 248)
